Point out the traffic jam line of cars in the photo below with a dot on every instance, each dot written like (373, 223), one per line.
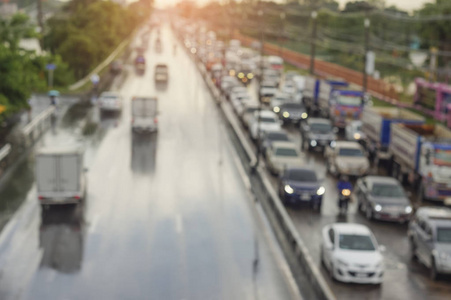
(414, 152)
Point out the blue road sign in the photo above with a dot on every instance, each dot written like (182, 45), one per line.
(50, 66)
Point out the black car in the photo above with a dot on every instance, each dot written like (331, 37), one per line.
(301, 186)
(317, 133)
(292, 113)
(272, 136)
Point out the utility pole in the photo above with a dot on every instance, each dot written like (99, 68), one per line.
(40, 16)
(282, 17)
(314, 16)
(367, 24)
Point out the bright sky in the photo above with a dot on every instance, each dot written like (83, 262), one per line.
(403, 4)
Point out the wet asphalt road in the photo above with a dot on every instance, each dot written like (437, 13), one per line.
(166, 216)
(404, 279)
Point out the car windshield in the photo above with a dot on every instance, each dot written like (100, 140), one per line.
(444, 235)
(320, 128)
(286, 152)
(302, 175)
(356, 242)
(277, 136)
(387, 190)
(349, 100)
(293, 106)
(442, 157)
(267, 120)
(350, 152)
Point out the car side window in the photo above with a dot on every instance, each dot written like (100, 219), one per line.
(332, 236)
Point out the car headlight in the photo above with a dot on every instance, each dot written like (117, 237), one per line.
(408, 209)
(288, 189)
(313, 143)
(250, 76)
(304, 115)
(321, 191)
(333, 143)
(357, 136)
(240, 75)
(377, 207)
(342, 263)
(232, 73)
(286, 114)
(276, 109)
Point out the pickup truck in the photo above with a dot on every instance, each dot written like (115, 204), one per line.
(342, 106)
(376, 128)
(421, 155)
(60, 176)
(144, 114)
(161, 73)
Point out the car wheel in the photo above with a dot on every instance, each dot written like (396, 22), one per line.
(331, 271)
(433, 272)
(413, 249)
(369, 212)
(317, 207)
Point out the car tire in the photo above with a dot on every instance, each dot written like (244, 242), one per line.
(413, 249)
(331, 272)
(316, 207)
(369, 212)
(433, 271)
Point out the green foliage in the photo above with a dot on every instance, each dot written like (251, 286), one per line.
(91, 29)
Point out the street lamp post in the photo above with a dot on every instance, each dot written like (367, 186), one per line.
(367, 24)
(282, 17)
(314, 16)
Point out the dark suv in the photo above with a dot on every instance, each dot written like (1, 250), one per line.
(430, 239)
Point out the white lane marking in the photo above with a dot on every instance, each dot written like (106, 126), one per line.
(178, 224)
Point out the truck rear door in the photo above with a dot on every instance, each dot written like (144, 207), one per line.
(46, 173)
(69, 173)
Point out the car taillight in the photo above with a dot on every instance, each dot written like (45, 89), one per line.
(41, 198)
(155, 120)
(77, 197)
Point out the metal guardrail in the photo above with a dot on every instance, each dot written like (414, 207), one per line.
(4, 151)
(36, 128)
(307, 275)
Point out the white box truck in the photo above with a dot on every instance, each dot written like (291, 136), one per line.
(144, 114)
(60, 176)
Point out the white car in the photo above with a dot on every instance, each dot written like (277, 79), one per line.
(238, 100)
(227, 82)
(110, 101)
(266, 121)
(288, 87)
(236, 91)
(351, 253)
(347, 158)
(248, 114)
(353, 131)
(267, 90)
(281, 155)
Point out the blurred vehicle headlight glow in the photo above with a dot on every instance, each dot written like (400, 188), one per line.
(304, 115)
(357, 136)
(276, 109)
(288, 189)
(286, 114)
(408, 209)
(321, 191)
(377, 207)
(250, 75)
